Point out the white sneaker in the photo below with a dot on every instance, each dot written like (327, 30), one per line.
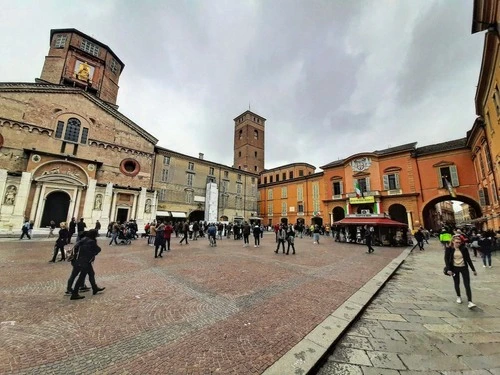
(459, 300)
(255, 246)
(489, 266)
(484, 265)
(471, 305)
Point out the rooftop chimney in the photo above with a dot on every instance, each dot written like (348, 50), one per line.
(200, 155)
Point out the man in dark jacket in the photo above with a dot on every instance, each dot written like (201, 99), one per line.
(72, 229)
(85, 252)
(81, 228)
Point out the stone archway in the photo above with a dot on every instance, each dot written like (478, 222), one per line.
(197, 215)
(338, 213)
(397, 212)
(56, 208)
(431, 220)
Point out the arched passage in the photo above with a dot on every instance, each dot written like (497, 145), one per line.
(56, 208)
(432, 219)
(338, 213)
(197, 215)
(397, 212)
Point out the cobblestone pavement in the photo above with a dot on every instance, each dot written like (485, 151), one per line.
(198, 310)
(415, 326)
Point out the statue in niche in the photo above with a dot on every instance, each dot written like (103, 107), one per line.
(10, 195)
(98, 202)
(147, 209)
(83, 71)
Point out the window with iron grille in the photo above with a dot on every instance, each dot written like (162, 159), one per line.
(85, 135)
(72, 133)
(59, 129)
(114, 66)
(89, 47)
(164, 175)
(60, 41)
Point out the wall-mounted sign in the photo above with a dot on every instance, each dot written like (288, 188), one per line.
(362, 200)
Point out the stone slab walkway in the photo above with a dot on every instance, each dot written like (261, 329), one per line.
(414, 325)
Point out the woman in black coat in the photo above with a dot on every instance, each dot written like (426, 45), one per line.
(60, 242)
(160, 240)
(457, 260)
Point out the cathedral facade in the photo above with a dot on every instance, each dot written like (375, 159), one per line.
(65, 149)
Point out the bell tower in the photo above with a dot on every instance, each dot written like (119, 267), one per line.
(249, 131)
(78, 60)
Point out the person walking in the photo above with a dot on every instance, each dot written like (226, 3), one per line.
(445, 237)
(169, 229)
(82, 264)
(25, 230)
(97, 227)
(276, 230)
(152, 233)
(256, 235)
(315, 233)
(485, 246)
(368, 240)
(160, 240)
(185, 233)
(246, 234)
(80, 228)
(51, 230)
(62, 240)
(72, 229)
(114, 234)
(281, 239)
(290, 238)
(457, 261)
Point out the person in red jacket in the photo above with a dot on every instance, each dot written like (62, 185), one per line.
(167, 234)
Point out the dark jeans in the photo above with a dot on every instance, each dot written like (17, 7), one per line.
(162, 249)
(245, 238)
(84, 271)
(58, 248)
(185, 237)
(465, 275)
(114, 236)
(282, 242)
(167, 240)
(369, 245)
(257, 240)
(25, 233)
(487, 257)
(288, 248)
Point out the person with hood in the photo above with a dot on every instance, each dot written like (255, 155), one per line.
(84, 252)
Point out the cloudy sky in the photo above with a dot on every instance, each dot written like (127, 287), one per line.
(333, 77)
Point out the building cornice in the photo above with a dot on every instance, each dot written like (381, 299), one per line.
(61, 89)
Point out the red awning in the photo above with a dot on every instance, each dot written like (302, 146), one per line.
(375, 221)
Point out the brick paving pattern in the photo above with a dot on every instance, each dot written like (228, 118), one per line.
(414, 325)
(199, 310)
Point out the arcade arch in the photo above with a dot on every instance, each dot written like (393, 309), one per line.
(432, 219)
(397, 212)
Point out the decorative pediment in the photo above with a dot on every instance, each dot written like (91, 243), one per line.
(443, 163)
(62, 179)
(392, 169)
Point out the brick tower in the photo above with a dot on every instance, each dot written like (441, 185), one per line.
(249, 142)
(78, 60)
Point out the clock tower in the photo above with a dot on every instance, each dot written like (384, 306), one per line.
(249, 130)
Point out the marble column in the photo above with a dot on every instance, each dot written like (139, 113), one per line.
(35, 203)
(89, 200)
(106, 204)
(142, 204)
(133, 214)
(21, 200)
(331, 218)
(76, 213)
(3, 184)
(410, 220)
(41, 205)
(113, 206)
(377, 207)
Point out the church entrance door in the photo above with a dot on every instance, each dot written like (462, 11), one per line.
(56, 208)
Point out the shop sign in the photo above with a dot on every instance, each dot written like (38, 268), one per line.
(362, 200)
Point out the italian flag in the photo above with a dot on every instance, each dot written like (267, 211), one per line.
(359, 193)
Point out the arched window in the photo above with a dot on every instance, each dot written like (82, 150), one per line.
(256, 134)
(241, 133)
(72, 130)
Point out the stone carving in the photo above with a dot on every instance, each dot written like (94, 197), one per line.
(361, 164)
(55, 170)
(36, 158)
(59, 171)
(91, 167)
(98, 202)
(147, 209)
(10, 195)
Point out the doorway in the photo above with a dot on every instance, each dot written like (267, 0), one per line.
(56, 208)
(122, 215)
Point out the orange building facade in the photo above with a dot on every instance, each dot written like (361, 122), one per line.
(403, 183)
